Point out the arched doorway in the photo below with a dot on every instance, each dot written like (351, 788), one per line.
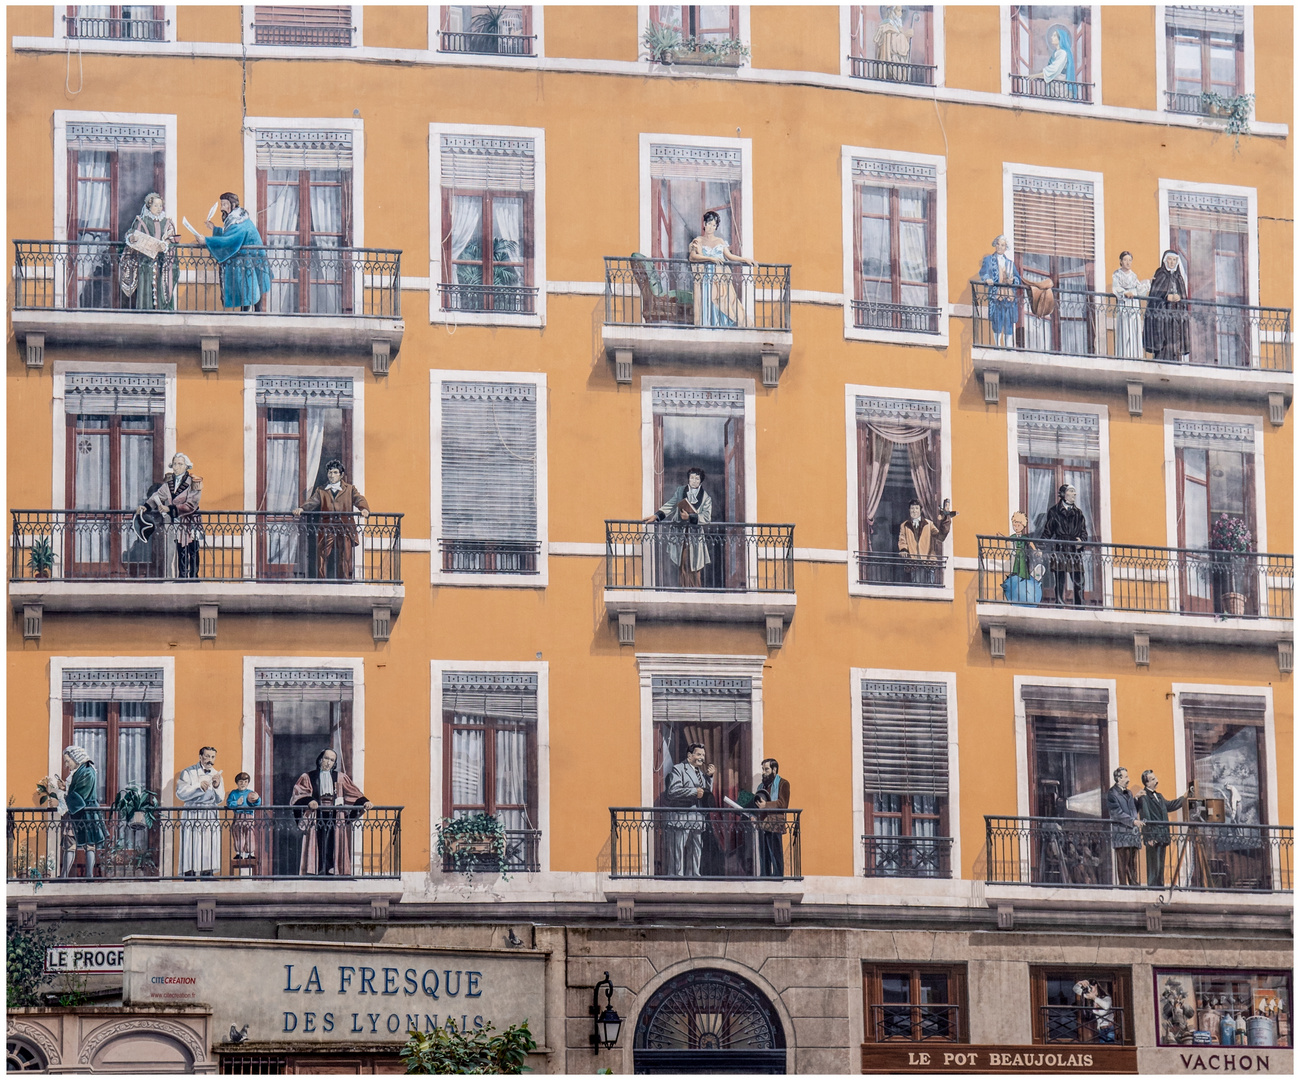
(708, 1021)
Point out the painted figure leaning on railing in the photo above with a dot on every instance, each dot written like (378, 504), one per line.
(336, 500)
(716, 301)
(246, 275)
(174, 503)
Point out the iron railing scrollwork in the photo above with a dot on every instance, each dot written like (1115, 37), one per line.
(864, 67)
(1056, 90)
(502, 299)
(663, 556)
(521, 856)
(703, 842)
(915, 1023)
(302, 35)
(702, 295)
(910, 318)
(893, 568)
(1082, 1024)
(95, 28)
(474, 42)
(490, 556)
(908, 856)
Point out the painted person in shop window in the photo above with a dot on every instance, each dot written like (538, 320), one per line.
(336, 500)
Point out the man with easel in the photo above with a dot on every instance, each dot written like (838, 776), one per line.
(1154, 810)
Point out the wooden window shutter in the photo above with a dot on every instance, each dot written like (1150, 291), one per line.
(905, 737)
(1054, 217)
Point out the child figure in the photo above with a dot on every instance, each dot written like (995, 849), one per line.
(241, 800)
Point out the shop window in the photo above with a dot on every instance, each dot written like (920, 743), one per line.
(1205, 53)
(1235, 1008)
(278, 24)
(896, 272)
(894, 44)
(1051, 52)
(915, 1004)
(1082, 1005)
(501, 31)
(1212, 234)
(1054, 228)
(116, 22)
(685, 183)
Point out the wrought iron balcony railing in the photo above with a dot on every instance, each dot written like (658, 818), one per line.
(321, 36)
(1101, 324)
(521, 856)
(173, 843)
(1057, 89)
(915, 1023)
(731, 556)
(1137, 577)
(1079, 852)
(85, 275)
(862, 67)
(1083, 1024)
(106, 29)
(474, 42)
(508, 299)
(490, 556)
(891, 568)
(703, 295)
(908, 856)
(223, 545)
(1178, 102)
(705, 842)
(869, 315)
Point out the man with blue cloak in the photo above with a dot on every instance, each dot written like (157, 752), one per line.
(237, 246)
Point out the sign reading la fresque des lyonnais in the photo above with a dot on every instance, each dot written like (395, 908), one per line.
(958, 1058)
(325, 992)
(83, 960)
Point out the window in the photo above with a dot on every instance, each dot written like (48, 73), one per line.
(489, 750)
(892, 44)
(114, 425)
(685, 183)
(116, 22)
(1051, 52)
(487, 224)
(490, 476)
(1222, 1002)
(915, 1004)
(699, 26)
(504, 31)
(905, 778)
(1212, 234)
(304, 196)
(1081, 1004)
(302, 26)
(1055, 238)
(899, 455)
(1204, 54)
(897, 276)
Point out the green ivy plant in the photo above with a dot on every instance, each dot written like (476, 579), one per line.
(463, 839)
(25, 964)
(447, 1051)
(1235, 109)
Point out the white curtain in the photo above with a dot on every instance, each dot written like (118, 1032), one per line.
(282, 218)
(512, 776)
(508, 227)
(137, 475)
(93, 208)
(326, 218)
(282, 489)
(315, 442)
(877, 258)
(1041, 495)
(133, 746)
(91, 485)
(92, 740)
(466, 226)
(467, 767)
(913, 260)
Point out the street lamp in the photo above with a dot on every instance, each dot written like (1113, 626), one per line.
(608, 1022)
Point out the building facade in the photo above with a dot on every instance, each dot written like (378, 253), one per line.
(620, 412)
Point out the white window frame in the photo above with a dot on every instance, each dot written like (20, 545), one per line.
(853, 332)
(437, 575)
(1022, 729)
(167, 715)
(745, 146)
(169, 30)
(542, 669)
(1010, 170)
(846, 44)
(356, 768)
(298, 123)
(1004, 34)
(438, 56)
(453, 318)
(59, 461)
(1171, 471)
(1100, 529)
(949, 679)
(64, 117)
(292, 52)
(648, 384)
(1270, 736)
(693, 664)
(1250, 194)
(643, 24)
(1162, 59)
(357, 466)
(895, 592)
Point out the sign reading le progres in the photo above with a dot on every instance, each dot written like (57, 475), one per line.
(83, 959)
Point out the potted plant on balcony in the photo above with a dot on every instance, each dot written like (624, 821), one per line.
(665, 45)
(1235, 109)
(137, 806)
(1231, 540)
(473, 842)
(40, 557)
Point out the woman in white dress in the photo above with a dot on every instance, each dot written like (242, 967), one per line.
(1128, 318)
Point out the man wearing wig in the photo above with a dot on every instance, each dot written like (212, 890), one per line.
(78, 805)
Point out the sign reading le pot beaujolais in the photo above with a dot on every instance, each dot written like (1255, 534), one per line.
(84, 960)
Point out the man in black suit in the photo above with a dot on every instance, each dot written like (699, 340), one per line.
(1154, 809)
(1065, 526)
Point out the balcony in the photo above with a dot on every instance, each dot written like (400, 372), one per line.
(1176, 594)
(305, 27)
(1234, 350)
(1056, 90)
(500, 299)
(1076, 852)
(915, 1023)
(243, 562)
(747, 574)
(521, 856)
(890, 568)
(93, 28)
(905, 318)
(862, 67)
(676, 310)
(908, 856)
(704, 844)
(163, 843)
(490, 44)
(490, 556)
(328, 299)
(1075, 1024)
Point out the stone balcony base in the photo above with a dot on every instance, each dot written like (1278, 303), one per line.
(626, 344)
(230, 597)
(1070, 622)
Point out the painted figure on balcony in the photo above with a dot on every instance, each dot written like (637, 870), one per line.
(199, 787)
(148, 268)
(716, 300)
(327, 833)
(1024, 584)
(1060, 65)
(1154, 810)
(920, 541)
(237, 246)
(893, 37)
(1165, 331)
(1067, 529)
(1125, 838)
(689, 786)
(1127, 287)
(240, 801)
(1000, 274)
(174, 501)
(78, 805)
(684, 541)
(772, 793)
(336, 531)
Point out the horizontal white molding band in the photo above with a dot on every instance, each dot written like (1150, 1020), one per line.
(416, 284)
(640, 69)
(576, 288)
(808, 296)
